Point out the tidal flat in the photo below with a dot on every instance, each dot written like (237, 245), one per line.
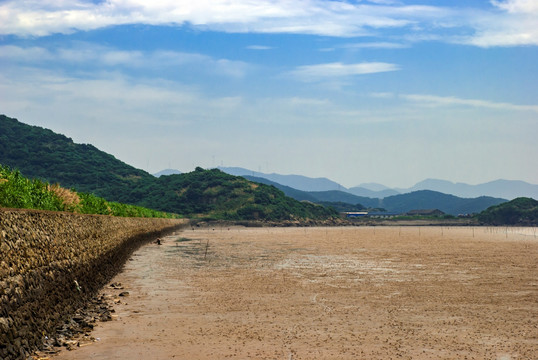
(327, 293)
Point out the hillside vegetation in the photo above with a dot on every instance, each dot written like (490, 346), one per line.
(423, 199)
(17, 191)
(43, 154)
(427, 199)
(212, 193)
(520, 211)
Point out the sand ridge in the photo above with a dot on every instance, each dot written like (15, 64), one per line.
(327, 293)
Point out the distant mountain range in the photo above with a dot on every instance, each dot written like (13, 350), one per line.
(401, 203)
(362, 191)
(427, 199)
(298, 182)
(506, 189)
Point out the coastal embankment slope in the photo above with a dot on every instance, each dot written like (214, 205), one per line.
(51, 263)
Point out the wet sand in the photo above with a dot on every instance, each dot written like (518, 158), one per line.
(327, 293)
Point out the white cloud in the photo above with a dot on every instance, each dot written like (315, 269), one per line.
(101, 56)
(29, 54)
(259, 47)
(517, 6)
(432, 100)
(301, 101)
(383, 95)
(506, 23)
(517, 29)
(333, 18)
(337, 70)
(386, 2)
(512, 23)
(504, 37)
(109, 97)
(375, 45)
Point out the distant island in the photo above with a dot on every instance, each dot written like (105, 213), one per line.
(506, 189)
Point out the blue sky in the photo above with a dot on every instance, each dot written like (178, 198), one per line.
(383, 91)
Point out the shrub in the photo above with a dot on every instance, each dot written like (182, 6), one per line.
(16, 191)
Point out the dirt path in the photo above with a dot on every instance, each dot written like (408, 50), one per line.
(327, 293)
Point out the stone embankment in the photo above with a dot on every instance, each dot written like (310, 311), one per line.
(51, 263)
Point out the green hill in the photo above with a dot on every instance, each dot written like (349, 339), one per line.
(41, 153)
(288, 191)
(520, 211)
(216, 194)
(401, 203)
(427, 199)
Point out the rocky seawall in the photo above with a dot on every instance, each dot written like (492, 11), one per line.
(51, 263)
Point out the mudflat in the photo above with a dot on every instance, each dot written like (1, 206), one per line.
(327, 293)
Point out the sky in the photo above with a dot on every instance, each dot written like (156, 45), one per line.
(384, 91)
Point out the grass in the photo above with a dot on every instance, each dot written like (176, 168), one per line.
(17, 191)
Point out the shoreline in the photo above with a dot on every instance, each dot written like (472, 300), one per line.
(327, 292)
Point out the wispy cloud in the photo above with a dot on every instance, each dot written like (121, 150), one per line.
(321, 17)
(110, 97)
(25, 54)
(382, 95)
(337, 70)
(376, 45)
(106, 57)
(259, 47)
(514, 23)
(433, 100)
(503, 23)
(517, 6)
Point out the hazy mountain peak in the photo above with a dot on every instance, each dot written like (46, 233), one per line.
(508, 189)
(373, 186)
(430, 181)
(298, 182)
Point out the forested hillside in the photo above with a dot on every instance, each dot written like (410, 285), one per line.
(217, 194)
(450, 204)
(520, 211)
(41, 153)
